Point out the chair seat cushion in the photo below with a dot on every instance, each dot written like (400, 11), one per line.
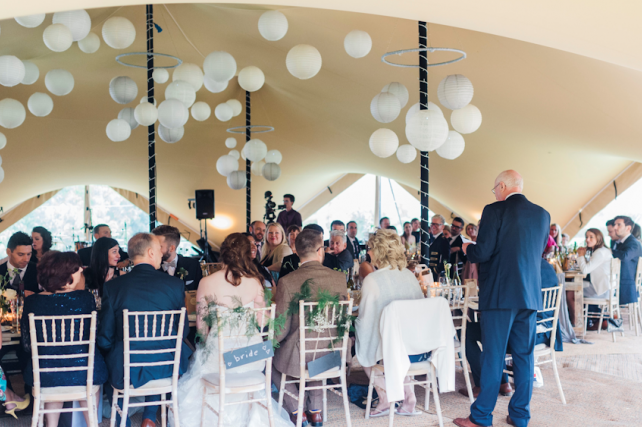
(71, 393)
(244, 379)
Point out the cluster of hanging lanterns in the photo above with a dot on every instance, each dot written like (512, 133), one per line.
(264, 163)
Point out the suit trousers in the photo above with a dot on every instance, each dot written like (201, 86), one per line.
(502, 328)
(313, 398)
(473, 352)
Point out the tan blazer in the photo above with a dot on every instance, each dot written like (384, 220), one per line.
(286, 357)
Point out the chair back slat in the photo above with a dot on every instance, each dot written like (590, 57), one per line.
(307, 334)
(552, 300)
(614, 281)
(458, 297)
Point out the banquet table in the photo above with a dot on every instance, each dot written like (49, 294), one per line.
(576, 288)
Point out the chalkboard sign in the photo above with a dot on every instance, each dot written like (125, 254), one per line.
(245, 355)
(324, 364)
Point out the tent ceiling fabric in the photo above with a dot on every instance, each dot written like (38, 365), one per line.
(565, 121)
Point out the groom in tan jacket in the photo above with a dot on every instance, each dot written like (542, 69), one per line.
(309, 247)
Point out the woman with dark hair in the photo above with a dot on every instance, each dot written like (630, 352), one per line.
(597, 267)
(292, 232)
(41, 243)
(636, 231)
(102, 268)
(407, 239)
(59, 273)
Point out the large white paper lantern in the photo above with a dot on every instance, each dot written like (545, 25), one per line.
(145, 99)
(32, 73)
(243, 156)
(127, 114)
(40, 104)
(357, 43)
(415, 108)
(182, 91)
(12, 113)
(31, 21)
(255, 150)
(59, 82)
(385, 107)
(123, 89)
(12, 70)
(235, 154)
(171, 136)
(3, 141)
(146, 114)
(383, 143)
(273, 25)
(257, 168)
(273, 156)
(89, 44)
(78, 22)
(236, 105)
(467, 119)
(57, 37)
(303, 61)
(226, 164)
(251, 78)
(271, 171)
(119, 32)
(214, 86)
(427, 130)
(118, 130)
(230, 142)
(223, 112)
(172, 113)
(399, 91)
(1, 174)
(237, 180)
(191, 73)
(160, 75)
(455, 91)
(406, 153)
(453, 147)
(219, 66)
(201, 111)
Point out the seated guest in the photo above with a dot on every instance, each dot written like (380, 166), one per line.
(439, 251)
(41, 243)
(556, 234)
(447, 234)
(291, 262)
(101, 230)
(566, 240)
(628, 250)
(407, 239)
(59, 273)
(102, 268)
(416, 229)
(335, 225)
(309, 247)
(268, 281)
(471, 232)
(257, 228)
(337, 256)
(143, 289)
(12, 402)
(20, 274)
(471, 268)
(610, 228)
(275, 248)
(289, 216)
(292, 232)
(392, 281)
(384, 223)
(186, 269)
(352, 241)
(457, 256)
(598, 267)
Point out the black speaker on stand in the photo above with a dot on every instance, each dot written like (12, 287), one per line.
(205, 210)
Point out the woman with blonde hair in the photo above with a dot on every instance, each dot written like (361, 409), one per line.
(275, 248)
(556, 234)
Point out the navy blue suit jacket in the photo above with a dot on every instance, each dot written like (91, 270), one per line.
(512, 237)
(629, 252)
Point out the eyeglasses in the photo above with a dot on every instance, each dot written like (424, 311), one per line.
(456, 226)
(321, 247)
(435, 224)
(493, 190)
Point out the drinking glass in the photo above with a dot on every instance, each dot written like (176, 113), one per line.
(97, 298)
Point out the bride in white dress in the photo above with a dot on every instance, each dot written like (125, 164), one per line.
(238, 283)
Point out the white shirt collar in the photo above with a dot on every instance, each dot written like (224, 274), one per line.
(436, 235)
(623, 239)
(10, 269)
(512, 194)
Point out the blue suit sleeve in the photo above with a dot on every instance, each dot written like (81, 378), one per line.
(107, 333)
(487, 238)
(628, 252)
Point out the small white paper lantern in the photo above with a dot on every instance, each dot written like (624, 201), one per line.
(31, 21)
(78, 22)
(251, 78)
(271, 171)
(144, 99)
(172, 113)
(357, 43)
(12, 70)
(237, 180)
(385, 107)
(118, 130)
(226, 164)
(12, 113)
(191, 73)
(119, 32)
(171, 136)
(127, 114)
(219, 66)
(273, 25)
(399, 91)
(255, 150)
(467, 119)
(160, 75)
(182, 91)
(415, 108)
(40, 104)
(257, 168)
(146, 114)
(223, 112)
(57, 37)
(273, 156)
(427, 130)
(235, 154)
(214, 86)
(406, 153)
(236, 105)
(201, 111)
(89, 44)
(3, 141)
(303, 61)
(383, 143)
(123, 89)
(32, 73)
(59, 82)
(455, 91)
(230, 142)
(453, 147)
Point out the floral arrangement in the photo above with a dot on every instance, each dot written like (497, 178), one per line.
(6, 293)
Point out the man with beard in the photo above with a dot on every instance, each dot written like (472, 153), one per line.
(186, 269)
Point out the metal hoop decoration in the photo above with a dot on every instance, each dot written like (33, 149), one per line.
(118, 59)
(424, 49)
(241, 129)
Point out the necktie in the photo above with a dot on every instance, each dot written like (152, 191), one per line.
(16, 280)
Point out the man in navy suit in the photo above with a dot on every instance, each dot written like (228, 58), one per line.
(512, 237)
(174, 264)
(629, 251)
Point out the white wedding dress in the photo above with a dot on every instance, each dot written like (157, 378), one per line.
(206, 362)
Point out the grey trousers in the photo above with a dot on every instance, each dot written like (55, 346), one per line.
(313, 398)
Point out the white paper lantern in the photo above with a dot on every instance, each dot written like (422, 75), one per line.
(271, 171)
(214, 86)
(243, 155)
(383, 143)
(235, 154)
(32, 73)
(219, 66)
(59, 82)
(182, 91)
(12, 113)
(191, 73)
(399, 91)
(257, 168)
(273, 156)
(57, 37)
(303, 61)
(201, 111)
(1, 174)
(415, 108)
(127, 114)
(385, 107)
(171, 136)
(223, 112)
(160, 75)
(89, 44)
(172, 113)
(236, 105)
(78, 22)
(453, 147)
(273, 25)
(12, 70)
(251, 78)
(237, 180)
(427, 130)
(406, 153)
(123, 89)
(31, 21)
(3, 141)
(467, 119)
(226, 164)
(455, 91)
(357, 43)
(145, 99)
(118, 130)
(255, 150)
(119, 32)
(146, 114)
(230, 142)
(40, 104)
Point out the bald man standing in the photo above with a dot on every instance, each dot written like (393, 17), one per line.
(512, 237)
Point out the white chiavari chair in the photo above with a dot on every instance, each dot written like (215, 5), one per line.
(633, 309)
(610, 304)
